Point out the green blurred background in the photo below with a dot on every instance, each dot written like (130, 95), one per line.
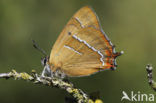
(130, 24)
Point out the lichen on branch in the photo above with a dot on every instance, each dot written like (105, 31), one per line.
(152, 83)
(77, 94)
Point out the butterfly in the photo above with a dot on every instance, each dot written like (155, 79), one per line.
(82, 48)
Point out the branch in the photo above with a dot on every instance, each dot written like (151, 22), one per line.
(78, 94)
(151, 82)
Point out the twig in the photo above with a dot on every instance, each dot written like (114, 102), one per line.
(151, 82)
(78, 94)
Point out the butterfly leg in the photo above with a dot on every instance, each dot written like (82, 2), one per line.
(58, 73)
(47, 71)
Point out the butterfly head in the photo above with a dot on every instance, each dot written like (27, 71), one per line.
(44, 60)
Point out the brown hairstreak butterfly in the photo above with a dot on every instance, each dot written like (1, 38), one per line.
(82, 47)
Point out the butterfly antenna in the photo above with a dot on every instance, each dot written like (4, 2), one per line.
(35, 45)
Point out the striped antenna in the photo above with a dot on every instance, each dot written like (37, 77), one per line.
(35, 45)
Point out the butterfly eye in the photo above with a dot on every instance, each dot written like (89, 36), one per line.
(43, 61)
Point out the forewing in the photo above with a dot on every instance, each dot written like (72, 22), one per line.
(82, 18)
(87, 17)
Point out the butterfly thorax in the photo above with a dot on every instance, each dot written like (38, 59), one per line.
(55, 70)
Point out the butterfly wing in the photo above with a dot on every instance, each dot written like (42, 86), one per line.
(87, 17)
(82, 18)
(82, 47)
